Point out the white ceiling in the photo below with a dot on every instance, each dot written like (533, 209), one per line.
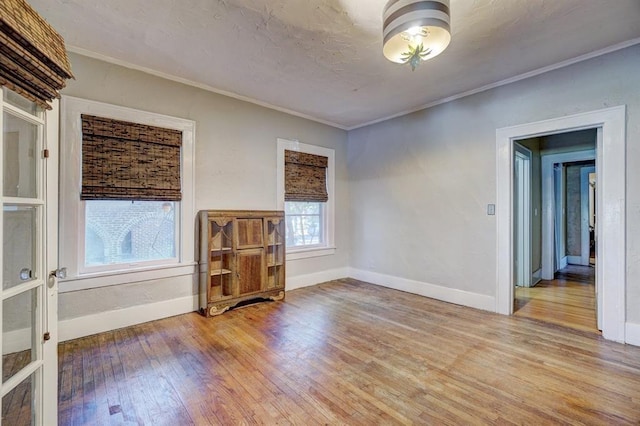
(323, 58)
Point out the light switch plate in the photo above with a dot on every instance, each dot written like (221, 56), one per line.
(491, 209)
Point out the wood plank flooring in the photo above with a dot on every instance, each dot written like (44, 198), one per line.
(16, 404)
(568, 300)
(346, 352)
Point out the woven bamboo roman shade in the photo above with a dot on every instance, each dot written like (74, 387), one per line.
(305, 177)
(129, 161)
(33, 59)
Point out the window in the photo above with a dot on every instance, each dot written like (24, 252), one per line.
(106, 240)
(125, 165)
(309, 220)
(305, 223)
(126, 232)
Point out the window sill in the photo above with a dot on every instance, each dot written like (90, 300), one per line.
(109, 278)
(305, 253)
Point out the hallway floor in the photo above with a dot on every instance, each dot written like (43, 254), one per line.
(568, 300)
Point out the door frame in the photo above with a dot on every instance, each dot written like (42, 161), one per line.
(526, 231)
(611, 205)
(50, 376)
(45, 367)
(584, 214)
(550, 260)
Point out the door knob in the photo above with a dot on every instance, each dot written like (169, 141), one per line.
(25, 274)
(60, 273)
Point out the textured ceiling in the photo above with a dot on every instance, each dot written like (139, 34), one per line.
(323, 58)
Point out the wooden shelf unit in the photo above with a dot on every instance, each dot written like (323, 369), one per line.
(242, 257)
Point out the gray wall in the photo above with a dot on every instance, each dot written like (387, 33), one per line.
(420, 183)
(413, 203)
(235, 166)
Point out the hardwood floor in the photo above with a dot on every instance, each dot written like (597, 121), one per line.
(16, 405)
(568, 300)
(347, 352)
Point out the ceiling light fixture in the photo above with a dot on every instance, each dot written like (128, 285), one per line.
(415, 30)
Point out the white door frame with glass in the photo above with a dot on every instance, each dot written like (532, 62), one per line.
(29, 234)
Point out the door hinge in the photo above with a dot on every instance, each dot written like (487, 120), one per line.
(45, 153)
(46, 336)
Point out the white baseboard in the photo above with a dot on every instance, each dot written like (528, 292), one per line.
(105, 321)
(563, 263)
(632, 334)
(451, 295)
(111, 320)
(307, 280)
(574, 260)
(19, 340)
(16, 341)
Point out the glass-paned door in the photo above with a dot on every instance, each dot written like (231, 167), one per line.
(28, 342)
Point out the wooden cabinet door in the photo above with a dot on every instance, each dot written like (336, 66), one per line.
(249, 233)
(275, 239)
(250, 268)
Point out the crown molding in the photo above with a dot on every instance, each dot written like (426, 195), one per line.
(166, 76)
(504, 82)
(562, 64)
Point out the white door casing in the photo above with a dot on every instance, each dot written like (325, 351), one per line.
(549, 208)
(50, 388)
(522, 215)
(611, 207)
(585, 248)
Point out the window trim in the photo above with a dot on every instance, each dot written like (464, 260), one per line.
(72, 210)
(328, 248)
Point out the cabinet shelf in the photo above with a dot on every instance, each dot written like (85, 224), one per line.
(216, 272)
(271, 265)
(221, 250)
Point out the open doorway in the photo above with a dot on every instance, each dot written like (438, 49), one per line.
(567, 296)
(610, 201)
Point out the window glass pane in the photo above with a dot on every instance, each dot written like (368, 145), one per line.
(19, 245)
(18, 406)
(19, 141)
(304, 224)
(18, 101)
(129, 232)
(18, 332)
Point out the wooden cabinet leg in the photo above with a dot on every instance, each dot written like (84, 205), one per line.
(279, 296)
(214, 310)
